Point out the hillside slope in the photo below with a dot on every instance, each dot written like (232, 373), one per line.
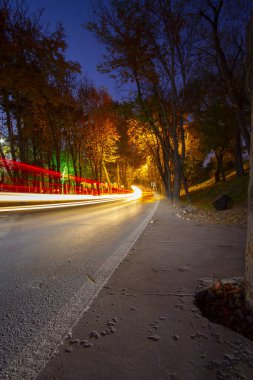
(203, 195)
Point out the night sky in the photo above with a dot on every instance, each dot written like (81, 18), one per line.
(82, 45)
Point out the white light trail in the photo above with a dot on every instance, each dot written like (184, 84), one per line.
(73, 200)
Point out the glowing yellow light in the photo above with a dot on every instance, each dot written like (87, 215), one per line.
(137, 192)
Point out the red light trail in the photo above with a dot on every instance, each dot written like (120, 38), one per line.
(28, 178)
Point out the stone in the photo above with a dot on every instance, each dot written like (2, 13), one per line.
(210, 295)
(239, 315)
(83, 341)
(87, 345)
(154, 337)
(250, 319)
(110, 330)
(199, 335)
(94, 334)
(223, 203)
(183, 269)
(74, 341)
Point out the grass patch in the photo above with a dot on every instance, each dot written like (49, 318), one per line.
(203, 195)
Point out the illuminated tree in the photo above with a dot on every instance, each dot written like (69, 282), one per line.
(194, 155)
(129, 158)
(34, 85)
(148, 43)
(146, 144)
(101, 135)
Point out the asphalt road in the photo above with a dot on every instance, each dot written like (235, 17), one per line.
(52, 264)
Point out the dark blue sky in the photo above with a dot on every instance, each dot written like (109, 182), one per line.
(82, 45)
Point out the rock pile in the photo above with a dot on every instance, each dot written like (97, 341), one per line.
(224, 303)
(234, 216)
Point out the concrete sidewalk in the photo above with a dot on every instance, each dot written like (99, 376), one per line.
(144, 322)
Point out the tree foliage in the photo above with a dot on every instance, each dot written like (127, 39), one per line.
(101, 134)
(164, 48)
(50, 116)
(149, 43)
(186, 60)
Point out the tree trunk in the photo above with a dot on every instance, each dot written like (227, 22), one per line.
(238, 155)
(241, 125)
(163, 169)
(249, 246)
(185, 184)
(177, 179)
(217, 176)
(220, 171)
(80, 162)
(5, 165)
(20, 137)
(107, 177)
(166, 175)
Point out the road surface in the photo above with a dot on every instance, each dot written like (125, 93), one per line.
(52, 264)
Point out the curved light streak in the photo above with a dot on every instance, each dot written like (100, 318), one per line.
(73, 200)
(137, 192)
